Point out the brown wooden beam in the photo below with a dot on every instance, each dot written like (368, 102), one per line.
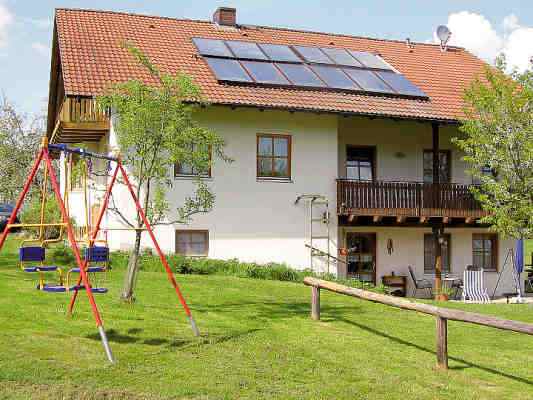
(469, 220)
(400, 219)
(436, 151)
(377, 218)
(423, 220)
(445, 220)
(352, 218)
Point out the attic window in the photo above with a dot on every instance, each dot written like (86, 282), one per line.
(236, 61)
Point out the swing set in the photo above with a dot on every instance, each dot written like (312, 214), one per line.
(95, 258)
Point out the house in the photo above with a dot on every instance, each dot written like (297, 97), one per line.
(342, 145)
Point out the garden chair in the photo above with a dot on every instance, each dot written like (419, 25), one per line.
(420, 284)
(474, 290)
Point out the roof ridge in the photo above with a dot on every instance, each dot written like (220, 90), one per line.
(257, 26)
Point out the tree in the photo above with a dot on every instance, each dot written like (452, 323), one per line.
(498, 144)
(156, 128)
(20, 135)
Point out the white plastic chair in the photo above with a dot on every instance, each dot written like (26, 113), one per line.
(474, 290)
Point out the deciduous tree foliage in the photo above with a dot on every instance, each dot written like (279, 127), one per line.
(156, 128)
(498, 139)
(20, 135)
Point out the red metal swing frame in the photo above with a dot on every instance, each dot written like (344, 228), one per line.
(44, 155)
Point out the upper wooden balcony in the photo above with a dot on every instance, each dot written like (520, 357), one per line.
(80, 120)
(404, 200)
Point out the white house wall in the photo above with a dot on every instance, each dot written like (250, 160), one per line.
(256, 220)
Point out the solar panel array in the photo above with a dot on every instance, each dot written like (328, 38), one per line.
(303, 66)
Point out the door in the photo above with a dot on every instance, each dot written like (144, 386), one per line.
(361, 256)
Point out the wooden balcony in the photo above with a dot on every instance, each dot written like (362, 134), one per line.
(404, 200)
(80, 120)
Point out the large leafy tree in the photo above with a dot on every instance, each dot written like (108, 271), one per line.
(498, 143)
(20, 135)
(156, 128)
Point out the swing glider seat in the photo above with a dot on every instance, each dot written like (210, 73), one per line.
(34, 254)
(89, 269)
(63, 289)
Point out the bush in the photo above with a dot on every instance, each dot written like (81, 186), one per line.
(32, 215)
(232, 267)
(61, 254)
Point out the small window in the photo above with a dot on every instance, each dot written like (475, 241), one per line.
(274, 156)
(188, 170)
(192, 243)
(485, 251)
(429, 253)
(444, 166)
(360, 163)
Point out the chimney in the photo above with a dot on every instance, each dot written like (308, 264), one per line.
(225, 16)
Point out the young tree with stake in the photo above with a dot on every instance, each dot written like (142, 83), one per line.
(155, 128)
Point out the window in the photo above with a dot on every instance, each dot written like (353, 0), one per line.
(360, 163)
(184, 169)
(429, 253)
(444, 166)
(273, 156)
(192, 243)
(485, 251)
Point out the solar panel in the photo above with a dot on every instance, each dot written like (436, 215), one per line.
(303, 66)
(246, 50)
(368, 80)
(301, 75)
(334, 77)
(401, 84)
(228, 70)
(211, 47)
(370, 60)
(265, 72)
(313, 55)
(278, 52)
(341, 57)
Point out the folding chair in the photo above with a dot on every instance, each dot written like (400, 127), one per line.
(474, 290)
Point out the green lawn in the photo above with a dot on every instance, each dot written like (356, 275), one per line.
(528, 251)
(257, 342)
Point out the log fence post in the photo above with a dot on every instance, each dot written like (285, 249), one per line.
(315, 303)
(442, 342)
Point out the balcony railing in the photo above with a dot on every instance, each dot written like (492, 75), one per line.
(408, 199)
(80, 119)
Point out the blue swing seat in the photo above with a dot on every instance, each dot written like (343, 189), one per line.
(90, 269)
(41, 268)
(62, 289)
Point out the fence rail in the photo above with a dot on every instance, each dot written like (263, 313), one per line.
(406, 198)
(441, 314)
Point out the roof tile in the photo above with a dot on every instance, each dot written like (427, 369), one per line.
(92, 59)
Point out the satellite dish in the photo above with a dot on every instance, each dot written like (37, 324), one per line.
(444, 34)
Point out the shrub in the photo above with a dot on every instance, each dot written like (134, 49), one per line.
(61, 254)
(32, 215)
(232, 267)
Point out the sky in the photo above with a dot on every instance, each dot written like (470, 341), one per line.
(485, 27)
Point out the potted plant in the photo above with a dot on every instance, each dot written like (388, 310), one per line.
(444, 295)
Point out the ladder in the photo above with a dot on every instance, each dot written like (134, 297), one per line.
(318, 214)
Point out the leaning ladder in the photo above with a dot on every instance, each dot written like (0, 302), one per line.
(318, 213)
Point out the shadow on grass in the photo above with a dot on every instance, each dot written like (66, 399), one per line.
(467, 364)
(117, 337)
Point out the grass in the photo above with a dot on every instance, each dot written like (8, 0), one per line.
(528, 251)
(257, 342)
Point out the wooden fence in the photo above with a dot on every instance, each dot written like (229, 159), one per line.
(442, 315)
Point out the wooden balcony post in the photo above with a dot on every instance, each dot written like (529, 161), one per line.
(436, 152)
(437, 233)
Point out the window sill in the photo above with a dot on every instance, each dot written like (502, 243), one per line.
(272, 179)
(192, 177)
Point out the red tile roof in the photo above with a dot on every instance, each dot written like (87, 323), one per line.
(92, 59)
